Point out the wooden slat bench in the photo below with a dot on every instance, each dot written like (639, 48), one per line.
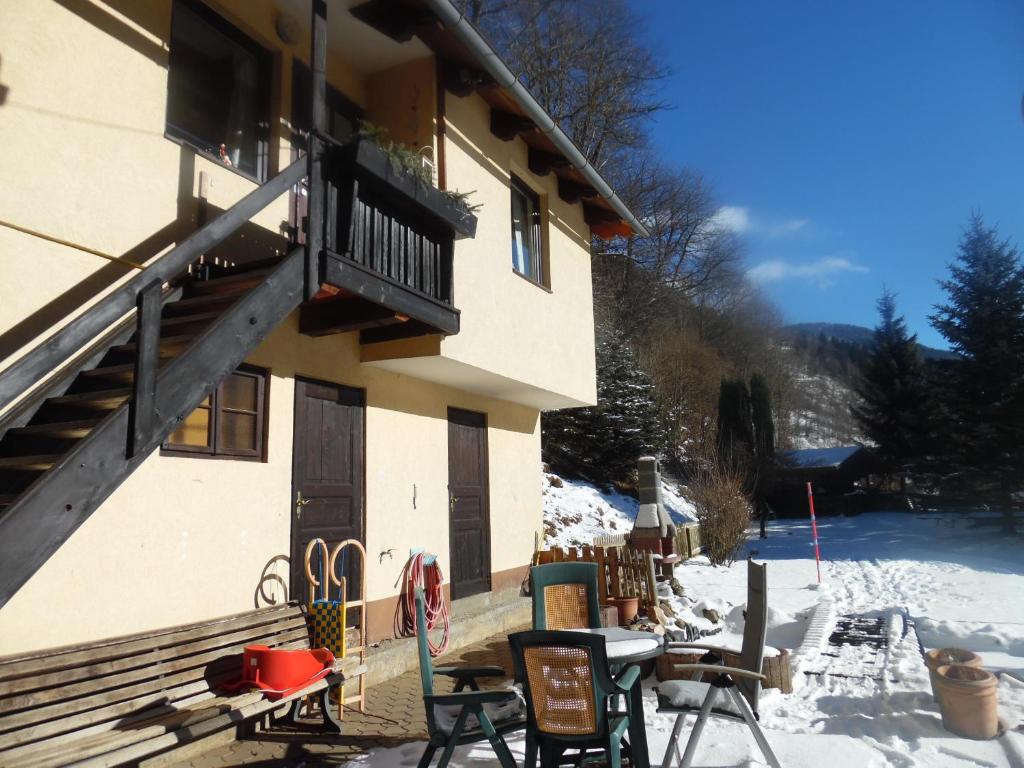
(118, 701)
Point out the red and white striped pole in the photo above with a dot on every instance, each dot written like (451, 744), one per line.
(814, 531)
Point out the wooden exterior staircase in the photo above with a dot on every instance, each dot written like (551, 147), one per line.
(82, 410)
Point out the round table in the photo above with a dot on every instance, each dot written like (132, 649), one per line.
(625, 647)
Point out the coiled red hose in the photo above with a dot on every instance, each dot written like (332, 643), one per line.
(417, 574)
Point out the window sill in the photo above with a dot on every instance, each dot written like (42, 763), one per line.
(200, 152)
(531, 281)
(186, 454)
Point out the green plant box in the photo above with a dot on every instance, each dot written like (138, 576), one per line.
(369, 163)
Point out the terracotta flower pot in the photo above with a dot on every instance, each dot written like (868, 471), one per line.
(941, 657)
(628, 608)
(967, 700)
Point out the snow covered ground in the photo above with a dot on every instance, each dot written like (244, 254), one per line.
(575, 511)
(961, 585)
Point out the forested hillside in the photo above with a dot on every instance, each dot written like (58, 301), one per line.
(675, 313)
(693, 363)
(855, 334)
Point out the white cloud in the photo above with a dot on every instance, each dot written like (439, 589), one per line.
(823, 272)
(731, 218)
(785, 228)
(738, 220)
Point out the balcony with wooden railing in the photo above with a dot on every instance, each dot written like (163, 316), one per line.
(388, 244)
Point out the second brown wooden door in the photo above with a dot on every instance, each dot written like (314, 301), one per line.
(468, 518)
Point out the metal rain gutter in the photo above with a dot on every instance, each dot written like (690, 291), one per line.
(468, 35)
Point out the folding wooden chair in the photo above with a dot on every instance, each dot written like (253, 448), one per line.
(733, 692)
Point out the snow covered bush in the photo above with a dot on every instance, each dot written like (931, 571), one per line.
(723, 511)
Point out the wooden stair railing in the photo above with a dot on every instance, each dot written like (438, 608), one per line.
(75, 483)
(117, 414)
(52, 355)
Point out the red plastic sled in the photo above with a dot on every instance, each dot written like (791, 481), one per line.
(279, 673)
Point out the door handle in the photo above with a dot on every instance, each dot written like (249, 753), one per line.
(300, 502)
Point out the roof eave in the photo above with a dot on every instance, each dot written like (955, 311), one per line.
(468, 35)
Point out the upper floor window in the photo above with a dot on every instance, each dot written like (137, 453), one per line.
(230, 422)
(527, 246)
(218, 89)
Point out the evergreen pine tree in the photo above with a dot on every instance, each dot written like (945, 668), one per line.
(735, 422)
(893, 412)
(983, 320)
(761, 415)
(602, 443)
(764, 445)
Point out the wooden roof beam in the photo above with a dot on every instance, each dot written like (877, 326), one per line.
(462, 80)
(398, 23)
(604, 223)
(594, 215)
(573, 192)
(507, 125)
(542, 163)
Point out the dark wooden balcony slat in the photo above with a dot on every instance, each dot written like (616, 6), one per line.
(386, 244)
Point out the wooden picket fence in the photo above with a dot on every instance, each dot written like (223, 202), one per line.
(622, 571)
(610, 540)
(688, 542)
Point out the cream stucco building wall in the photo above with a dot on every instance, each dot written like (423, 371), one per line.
(184, 539)
(84, 157)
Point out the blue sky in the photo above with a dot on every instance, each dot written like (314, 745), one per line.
(848, 141)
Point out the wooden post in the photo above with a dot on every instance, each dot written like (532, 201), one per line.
(602, 575)
(147, 358)
(615, 583)
(650, 582)
(315, 149)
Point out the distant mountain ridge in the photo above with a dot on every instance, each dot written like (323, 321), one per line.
(857, 334)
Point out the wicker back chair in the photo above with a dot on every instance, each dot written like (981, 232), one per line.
(565, 596)
(733, 692)
(463, 717)
(569, 693)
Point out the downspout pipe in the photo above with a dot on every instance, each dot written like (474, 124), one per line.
(467, 34)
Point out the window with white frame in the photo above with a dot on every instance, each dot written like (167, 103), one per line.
(527, 244)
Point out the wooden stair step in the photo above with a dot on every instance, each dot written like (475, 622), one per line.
(103, 399)
(171, 323)
(108, 370)
(239, 281)
(30, 463)
(170, 346)
(119, 374)
(262, 266)
(59, 429)
(190, 306)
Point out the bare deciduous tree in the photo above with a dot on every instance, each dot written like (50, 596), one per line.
(583, 62)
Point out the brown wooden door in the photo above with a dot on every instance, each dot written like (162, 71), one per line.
(468, 518)
(327, 475)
